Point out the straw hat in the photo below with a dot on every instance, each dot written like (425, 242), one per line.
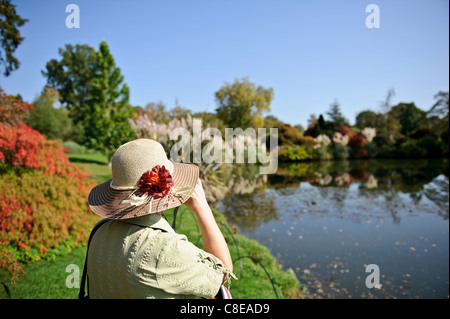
(143, 181)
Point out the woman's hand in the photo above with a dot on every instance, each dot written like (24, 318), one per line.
(197, 202)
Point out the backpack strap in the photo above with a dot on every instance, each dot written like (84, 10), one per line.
(174, 222)
(84, 278)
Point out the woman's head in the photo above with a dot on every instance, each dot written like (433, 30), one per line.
(144, 181)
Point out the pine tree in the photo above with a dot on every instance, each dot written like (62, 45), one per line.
(107, 125)
(336, 116)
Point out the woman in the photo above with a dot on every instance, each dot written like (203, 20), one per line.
(137, 254)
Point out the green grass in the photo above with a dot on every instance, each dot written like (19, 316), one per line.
(96, 165)
(46, 279)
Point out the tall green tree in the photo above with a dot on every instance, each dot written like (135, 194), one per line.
(10, 37)
(409, 117)
(72, 77)
(242, 104)
(369, 118)
(336, 116)
(92, 88)
(106, 122)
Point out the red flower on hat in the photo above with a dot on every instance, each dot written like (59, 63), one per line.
(156, 183)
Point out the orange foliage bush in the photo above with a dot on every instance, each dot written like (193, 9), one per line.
(358, 145)
(345, 130)
(43, 196)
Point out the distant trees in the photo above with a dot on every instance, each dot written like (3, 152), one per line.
(406, 131)
(321, 126)
(438, 114)
(397, 131)
(157, 112)
(242, 104)
(53, 122)
(441, 107)
(10, 37)
(401, 120)
(369, 118)
(409, 117)
(336, 117)
(89, 84)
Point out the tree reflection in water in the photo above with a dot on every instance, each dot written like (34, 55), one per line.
(241, 192)
(249, 210)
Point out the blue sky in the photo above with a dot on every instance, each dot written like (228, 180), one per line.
(309, 52)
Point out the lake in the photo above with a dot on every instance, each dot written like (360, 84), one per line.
(329, 220)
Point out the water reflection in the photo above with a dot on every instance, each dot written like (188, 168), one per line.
(249, 210)
(407, 176)
(381, 187)
(326, 220)
(221, 180)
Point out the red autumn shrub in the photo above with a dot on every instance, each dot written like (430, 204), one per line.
(43, 196)
(345, 130)
(358, 146)
(41, 212)
(12, 110)
(21, 146)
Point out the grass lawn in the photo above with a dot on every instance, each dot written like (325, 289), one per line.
(46, 279)
(96, 164)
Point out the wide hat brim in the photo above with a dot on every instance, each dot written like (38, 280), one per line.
(114, 203)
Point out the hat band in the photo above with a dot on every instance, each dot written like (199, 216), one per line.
(122, 188)
(135, 200)
(178, 190)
